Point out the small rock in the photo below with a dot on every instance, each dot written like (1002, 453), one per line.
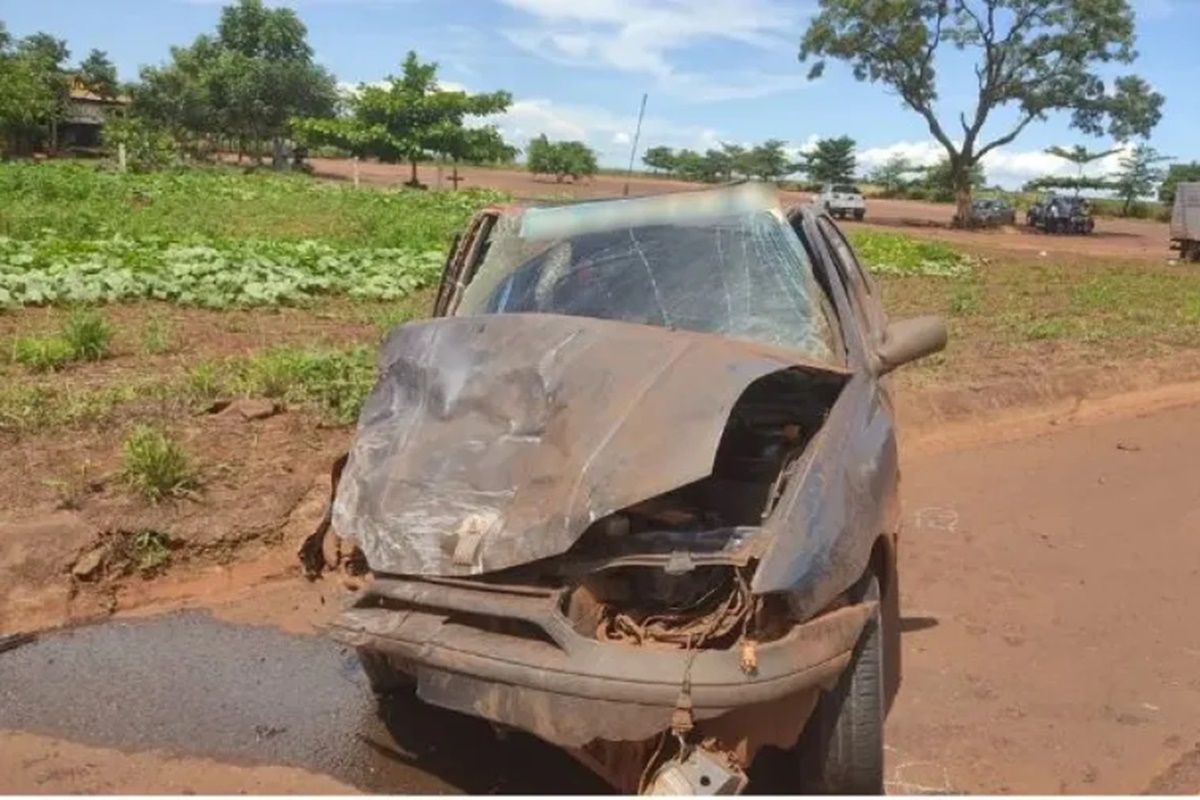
(89, 564)
(1130, 448)
(251, 409)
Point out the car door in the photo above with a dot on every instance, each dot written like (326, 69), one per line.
(466, 251)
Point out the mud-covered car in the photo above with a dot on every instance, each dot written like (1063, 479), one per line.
(993, 212)
(633, 490)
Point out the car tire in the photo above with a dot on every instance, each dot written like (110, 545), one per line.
(858, 215)
(383, 679)
(841, 748)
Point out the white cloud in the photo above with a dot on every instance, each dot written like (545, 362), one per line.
(1006, 167)
(639, 36)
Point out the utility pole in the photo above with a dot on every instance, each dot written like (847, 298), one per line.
(636, 136)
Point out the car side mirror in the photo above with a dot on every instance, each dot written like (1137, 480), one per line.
(907, 340)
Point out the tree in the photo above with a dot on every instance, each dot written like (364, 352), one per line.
(179, 96)
(831, 161)
(560, 159)
(37, 77)
(1176, 174)
(1041, 56)
(1068, 182)
(24, 101)
(1138, 175)
(767, 161)
(99, 73)
(263, 74)
(893, 175)
(1080, 156)
(244, 82)
(942, 184)
(660, 158)
(408, 118)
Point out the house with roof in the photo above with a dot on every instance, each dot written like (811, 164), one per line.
(86, 114)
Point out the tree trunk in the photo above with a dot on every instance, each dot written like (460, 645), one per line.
(962, 206)
(413, 179)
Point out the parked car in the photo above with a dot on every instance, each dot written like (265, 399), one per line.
(633, 489)
(993, 211)
(1060, 214)
(842, 200)
(1185, 221)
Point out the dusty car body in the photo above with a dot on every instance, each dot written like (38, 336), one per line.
(993, 212)
(633, 490)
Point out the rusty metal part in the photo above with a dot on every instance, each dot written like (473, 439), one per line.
(727, 608)
(539, 674)
(535, 426)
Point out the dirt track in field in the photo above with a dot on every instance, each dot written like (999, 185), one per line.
(1134, 240)
(1049, 602)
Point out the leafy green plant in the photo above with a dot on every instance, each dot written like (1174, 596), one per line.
(42, 353)
(155, 465)
(88, 334)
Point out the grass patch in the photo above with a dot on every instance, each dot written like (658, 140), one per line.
(332, 382)
(897, 254)
(155, 465)
(88, 335)
(1016, 311)
(28, 409)
(42, 353)
(79, 201)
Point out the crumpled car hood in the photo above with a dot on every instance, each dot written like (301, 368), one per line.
(492, 441)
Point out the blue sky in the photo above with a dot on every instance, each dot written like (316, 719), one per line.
(715, 70)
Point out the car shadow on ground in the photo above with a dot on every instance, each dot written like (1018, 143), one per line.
(917, 624)
(469, 754)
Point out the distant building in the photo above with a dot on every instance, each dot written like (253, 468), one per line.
(85, 117)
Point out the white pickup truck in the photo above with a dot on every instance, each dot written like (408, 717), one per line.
(842, 200)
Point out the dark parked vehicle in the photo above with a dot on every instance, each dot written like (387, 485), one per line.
(993, 211)
(1060, 214)
(633, 489)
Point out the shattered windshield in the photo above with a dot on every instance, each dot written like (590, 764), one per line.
(734, 269)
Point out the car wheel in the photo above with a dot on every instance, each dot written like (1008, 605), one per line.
(382, 677)
(841, 749)
(858, 215)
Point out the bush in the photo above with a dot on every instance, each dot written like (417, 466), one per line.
(155, 465)
(87, 334)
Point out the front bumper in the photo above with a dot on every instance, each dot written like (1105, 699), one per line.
(540, 674)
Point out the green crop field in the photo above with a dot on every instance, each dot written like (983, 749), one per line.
(72, 233)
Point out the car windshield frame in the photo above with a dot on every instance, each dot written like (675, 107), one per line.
(723, 262)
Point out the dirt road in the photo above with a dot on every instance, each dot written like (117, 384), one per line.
(1050, 601)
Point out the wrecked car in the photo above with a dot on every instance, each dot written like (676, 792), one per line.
(633, 490)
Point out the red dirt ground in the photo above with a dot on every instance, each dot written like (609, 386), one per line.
(1134, 240)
